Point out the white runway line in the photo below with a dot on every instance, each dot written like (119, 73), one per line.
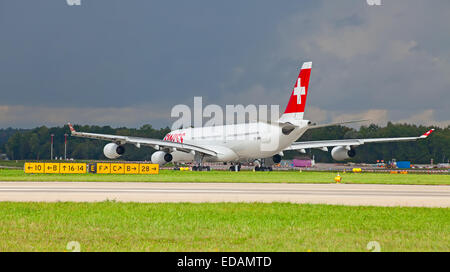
(345, 194)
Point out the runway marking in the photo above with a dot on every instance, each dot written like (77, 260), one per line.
(346, 194)
(240, 191)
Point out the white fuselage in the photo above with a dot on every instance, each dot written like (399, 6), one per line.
(237, 142)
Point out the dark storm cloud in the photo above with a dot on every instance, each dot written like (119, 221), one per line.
(101, 51)
(128, 62)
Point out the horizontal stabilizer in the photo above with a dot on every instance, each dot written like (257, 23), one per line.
(336, 124)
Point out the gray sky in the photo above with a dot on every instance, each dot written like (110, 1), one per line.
(127, 63)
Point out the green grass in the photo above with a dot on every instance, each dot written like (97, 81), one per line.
(111, 226)
(12, 163)
(243, 176)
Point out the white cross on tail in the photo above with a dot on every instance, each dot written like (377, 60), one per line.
(299, 91)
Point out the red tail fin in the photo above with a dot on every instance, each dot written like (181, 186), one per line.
(296, 106)
(298, 97)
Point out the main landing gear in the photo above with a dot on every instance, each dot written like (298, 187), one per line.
(199, 161)
(263, 168)
(201, 168)
(235, 167)
(259, 166)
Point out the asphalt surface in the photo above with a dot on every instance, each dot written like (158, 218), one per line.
(345, 194)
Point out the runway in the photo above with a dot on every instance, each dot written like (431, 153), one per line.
(344, 194)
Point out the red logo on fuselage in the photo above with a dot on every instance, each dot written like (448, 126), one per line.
(175, 137)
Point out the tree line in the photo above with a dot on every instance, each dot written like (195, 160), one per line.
(436, 147)
(34, 144)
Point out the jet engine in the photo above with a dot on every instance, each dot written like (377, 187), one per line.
(275, 159)
(340, 153)
(161, 157)
(113, 150)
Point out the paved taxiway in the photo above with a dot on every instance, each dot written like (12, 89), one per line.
(346, 194)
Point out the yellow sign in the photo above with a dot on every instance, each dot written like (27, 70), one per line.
(117, 168)
(34, 167)
(147, 168)
(131, 168)
(51, 168)
(103, 168)
(72, 168)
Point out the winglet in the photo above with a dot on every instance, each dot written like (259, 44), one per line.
(72, 130)
(426, 134)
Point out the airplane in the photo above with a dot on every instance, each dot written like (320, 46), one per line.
(260, 142)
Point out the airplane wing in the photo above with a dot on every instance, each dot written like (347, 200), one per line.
(138, 141)
(351, 142)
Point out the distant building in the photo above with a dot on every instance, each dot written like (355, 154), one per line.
(303, 162)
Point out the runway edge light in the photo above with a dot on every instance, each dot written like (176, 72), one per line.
(338, 178)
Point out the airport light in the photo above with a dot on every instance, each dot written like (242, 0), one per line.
(65, 146)
(51, 146)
